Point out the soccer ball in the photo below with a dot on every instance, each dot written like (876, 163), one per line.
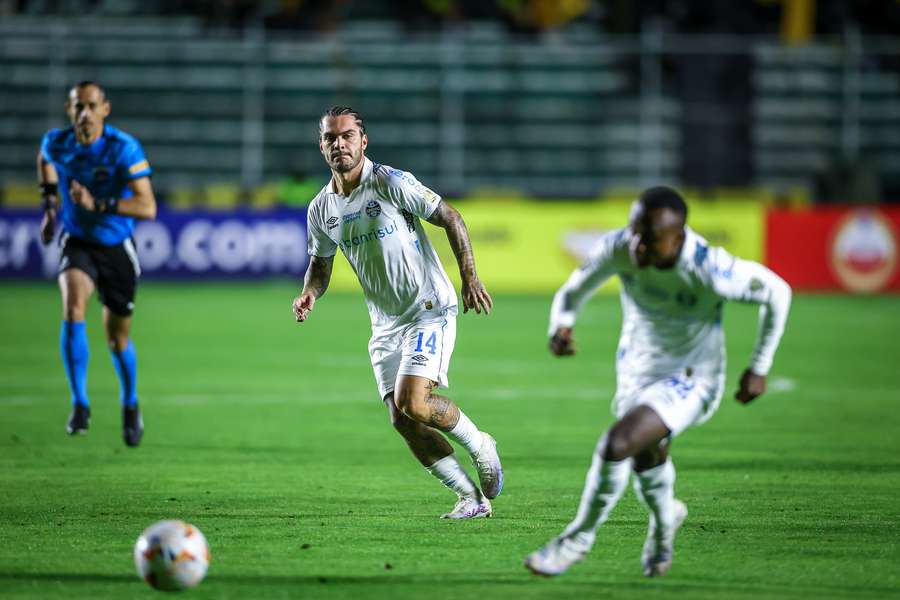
(171, 555)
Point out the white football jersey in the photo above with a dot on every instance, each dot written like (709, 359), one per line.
(377, 227)
(672, 318)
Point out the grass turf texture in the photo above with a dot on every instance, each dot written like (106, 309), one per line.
(270, 437)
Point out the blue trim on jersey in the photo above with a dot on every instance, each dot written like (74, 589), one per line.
(104, 168)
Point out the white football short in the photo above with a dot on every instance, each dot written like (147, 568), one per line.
(680, 400)
(422, 348)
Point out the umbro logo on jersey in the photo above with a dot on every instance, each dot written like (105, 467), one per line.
(373, 209)
(332, 222)
(420, 358)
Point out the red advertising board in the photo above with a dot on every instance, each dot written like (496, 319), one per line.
(852, 249)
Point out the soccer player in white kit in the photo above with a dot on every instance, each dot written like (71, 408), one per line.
(372, 213)
(670, 364)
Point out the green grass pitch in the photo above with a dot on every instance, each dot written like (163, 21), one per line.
(270, 437)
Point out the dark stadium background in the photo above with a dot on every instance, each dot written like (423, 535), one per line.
(540, 120)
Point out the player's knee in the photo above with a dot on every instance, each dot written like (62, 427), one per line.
(649, 458)
(117, 343)
(411, 404)
(417, 410)
(616, 445)
(74, 311)
(399, 421)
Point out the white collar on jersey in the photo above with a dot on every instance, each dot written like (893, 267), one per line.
(368, 167)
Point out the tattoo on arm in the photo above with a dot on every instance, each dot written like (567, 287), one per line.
(318, 275)
(449, 218)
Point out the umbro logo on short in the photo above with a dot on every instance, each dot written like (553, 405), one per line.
(420, 358)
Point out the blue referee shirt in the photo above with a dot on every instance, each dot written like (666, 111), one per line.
(104, 168)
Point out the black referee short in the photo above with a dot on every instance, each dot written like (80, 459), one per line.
(114, 269)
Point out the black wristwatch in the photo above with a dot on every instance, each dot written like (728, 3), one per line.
(49, 193)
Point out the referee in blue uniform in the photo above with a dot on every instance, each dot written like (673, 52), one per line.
(95, 181)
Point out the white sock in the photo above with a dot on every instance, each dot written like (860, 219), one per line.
(655, 488)
(450, 472)
(466, 434)
(605, 482)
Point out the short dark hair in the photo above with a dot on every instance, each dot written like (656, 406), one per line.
(88, 83)
(664, 197)
(338, 111)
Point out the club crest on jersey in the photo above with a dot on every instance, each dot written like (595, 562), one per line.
(373, 209)
(332, 222)
(101, 174)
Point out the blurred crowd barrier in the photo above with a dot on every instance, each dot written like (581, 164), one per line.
(573, 114)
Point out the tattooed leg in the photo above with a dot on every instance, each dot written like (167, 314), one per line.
(415, 398)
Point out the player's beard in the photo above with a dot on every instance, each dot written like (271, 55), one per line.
(341, 167)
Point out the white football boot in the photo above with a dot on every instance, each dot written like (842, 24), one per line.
(660, 546)
(470, 508)
(487, 463)
(555, 557)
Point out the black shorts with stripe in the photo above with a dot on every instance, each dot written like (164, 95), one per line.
(114, 270)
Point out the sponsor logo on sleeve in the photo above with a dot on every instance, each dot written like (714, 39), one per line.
(700, 254)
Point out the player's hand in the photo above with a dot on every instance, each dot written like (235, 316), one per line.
(48, 226)
(81, 196)
(303, 305)
(751, 386)
(562, 343)
(476, 297)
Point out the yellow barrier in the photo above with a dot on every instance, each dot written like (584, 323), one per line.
(532, 247)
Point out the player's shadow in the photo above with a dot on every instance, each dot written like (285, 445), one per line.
(281, 580)
(68, 577)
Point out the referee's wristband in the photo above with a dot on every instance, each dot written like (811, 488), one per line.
(106, 205)
(49, 193)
